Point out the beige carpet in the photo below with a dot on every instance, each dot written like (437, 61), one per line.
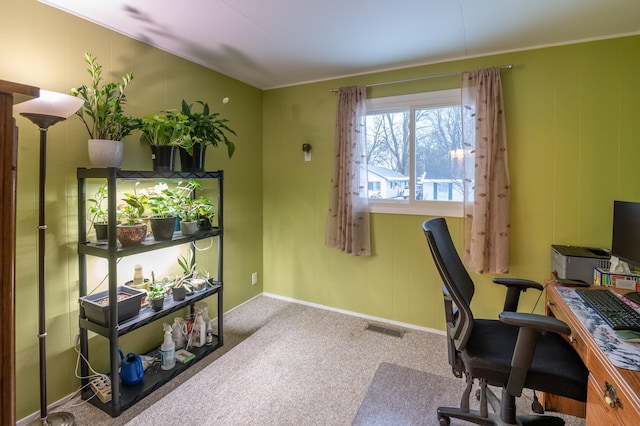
(404, 396)
(286, 364)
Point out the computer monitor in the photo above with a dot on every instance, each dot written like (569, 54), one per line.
(625, 243)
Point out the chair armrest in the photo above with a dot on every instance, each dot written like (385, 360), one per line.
(521, 283)
(531, 326)
(515, 286)
(540, 323)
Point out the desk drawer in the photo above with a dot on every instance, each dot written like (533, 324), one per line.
(603, 391)
(575, 338)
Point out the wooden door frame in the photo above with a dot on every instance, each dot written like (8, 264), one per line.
(10, 94)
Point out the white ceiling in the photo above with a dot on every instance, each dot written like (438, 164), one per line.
(274, 43)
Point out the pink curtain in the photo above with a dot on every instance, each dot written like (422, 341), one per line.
(348, 218)
(487, 186)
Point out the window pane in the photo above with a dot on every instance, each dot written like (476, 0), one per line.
(388, 154)
(439, 160)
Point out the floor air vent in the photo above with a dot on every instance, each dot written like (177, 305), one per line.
(385, 330)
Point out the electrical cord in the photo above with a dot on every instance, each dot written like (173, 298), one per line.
(205, 248)
(103, 279)
(544, 287)
(94, 374)
(69, 397)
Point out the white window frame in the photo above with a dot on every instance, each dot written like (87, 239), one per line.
(411, 206)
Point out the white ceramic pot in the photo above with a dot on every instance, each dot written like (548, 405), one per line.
(105, 153)
(188, 228)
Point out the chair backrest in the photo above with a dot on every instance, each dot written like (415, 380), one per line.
(458, 286)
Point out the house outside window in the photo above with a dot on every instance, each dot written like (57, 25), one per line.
(415, 154)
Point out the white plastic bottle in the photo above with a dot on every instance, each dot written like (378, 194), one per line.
(178, 332)
(167, 350)
(204, 308)
(199, 331)
(209, 339)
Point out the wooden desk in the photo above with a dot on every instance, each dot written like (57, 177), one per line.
(613, 395)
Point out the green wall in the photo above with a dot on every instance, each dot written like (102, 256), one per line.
(573, 138)
(42, 46)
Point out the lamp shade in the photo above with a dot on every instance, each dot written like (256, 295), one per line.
(50, 103)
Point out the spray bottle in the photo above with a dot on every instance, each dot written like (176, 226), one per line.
(179, 331)
(167, 350)
(199, 332)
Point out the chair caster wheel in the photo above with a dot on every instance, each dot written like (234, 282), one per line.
(444, 421)
(477, 394)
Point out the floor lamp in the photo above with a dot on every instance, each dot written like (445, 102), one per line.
(45, 111)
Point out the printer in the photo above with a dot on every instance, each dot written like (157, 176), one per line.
(577, 263)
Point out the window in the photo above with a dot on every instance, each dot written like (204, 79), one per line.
(414, 154)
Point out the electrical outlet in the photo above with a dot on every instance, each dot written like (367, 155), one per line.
(254, 278)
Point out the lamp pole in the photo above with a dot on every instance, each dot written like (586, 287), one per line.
(44, 112)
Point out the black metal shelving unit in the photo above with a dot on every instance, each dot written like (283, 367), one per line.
(124, 397)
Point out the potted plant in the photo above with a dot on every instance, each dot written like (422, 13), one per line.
(198, 282)
(181, 288)
(156, 294)
(103, 115)
(162, 203)
(191, 276)
(205, 211)
(97, 214)
(186, 207)
(182, 285)
(133, 231)
(206, 128)
(164, 132)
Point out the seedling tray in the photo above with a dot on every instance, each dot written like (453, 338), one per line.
(96, 306)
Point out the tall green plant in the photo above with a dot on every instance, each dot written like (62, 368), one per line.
(102, 113)
(207, 127)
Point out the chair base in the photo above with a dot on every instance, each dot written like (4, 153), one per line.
(474, 416)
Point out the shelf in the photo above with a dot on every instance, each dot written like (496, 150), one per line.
(124, 397)
(148, 315)
(154, 377)
(111, 172)
(101, 249)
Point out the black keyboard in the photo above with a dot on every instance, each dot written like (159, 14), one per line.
(614, 311)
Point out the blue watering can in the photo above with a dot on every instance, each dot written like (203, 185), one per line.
(131, 370)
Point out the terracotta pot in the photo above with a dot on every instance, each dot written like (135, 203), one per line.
(131, 235)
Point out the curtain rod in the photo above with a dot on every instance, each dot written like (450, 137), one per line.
(421, 78)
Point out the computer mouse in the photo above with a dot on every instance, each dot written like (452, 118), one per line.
(634, 296)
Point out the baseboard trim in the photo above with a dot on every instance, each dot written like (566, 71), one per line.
(356, 314)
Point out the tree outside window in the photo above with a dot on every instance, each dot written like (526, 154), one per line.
(414, 149)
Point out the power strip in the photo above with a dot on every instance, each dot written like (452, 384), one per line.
(101, 386)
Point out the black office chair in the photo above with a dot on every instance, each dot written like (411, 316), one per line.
(518, 351)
